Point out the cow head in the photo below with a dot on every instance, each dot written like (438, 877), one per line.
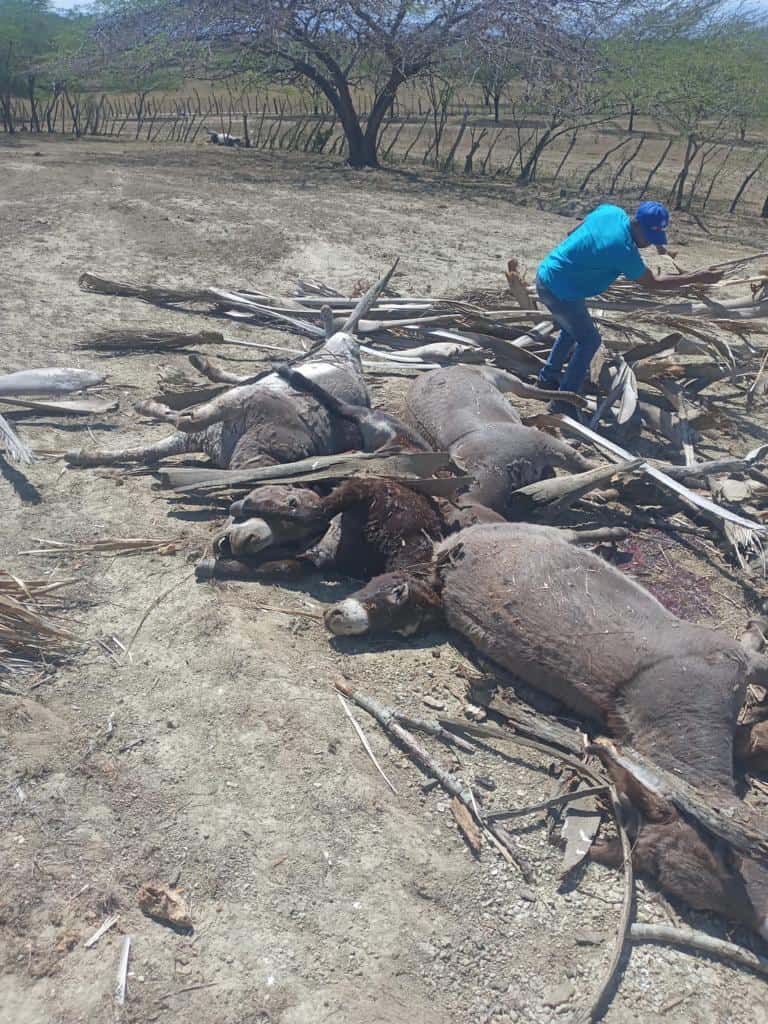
(391, 603)
(280, 515)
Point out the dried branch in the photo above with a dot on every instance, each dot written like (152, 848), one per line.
(692, 938)
(366, 744)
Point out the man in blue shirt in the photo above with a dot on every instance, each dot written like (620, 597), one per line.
(604, 246)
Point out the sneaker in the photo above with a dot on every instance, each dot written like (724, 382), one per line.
(548, 385)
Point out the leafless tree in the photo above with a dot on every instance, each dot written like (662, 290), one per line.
(336, 46)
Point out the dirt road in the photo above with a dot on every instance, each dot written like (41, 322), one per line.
(214, 752)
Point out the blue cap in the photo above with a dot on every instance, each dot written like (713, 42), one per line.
(653, 218)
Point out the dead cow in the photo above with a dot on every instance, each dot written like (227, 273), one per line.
(567, 623)
(382, 526)
(377, 428)
(224, 139)
(262, 423)
(462, 412)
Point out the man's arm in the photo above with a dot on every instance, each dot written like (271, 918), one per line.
(670, 283)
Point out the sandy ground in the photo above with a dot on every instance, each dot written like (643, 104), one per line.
(317, 895)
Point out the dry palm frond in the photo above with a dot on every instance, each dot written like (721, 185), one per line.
(15, 448)
(149, 341)
(148, 293)
(109, 546)
(28, 634)
(745, 542)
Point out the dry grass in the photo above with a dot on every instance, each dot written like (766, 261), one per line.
(29, 633)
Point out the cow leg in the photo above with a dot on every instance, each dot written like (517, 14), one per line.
(750, 745)
(215, 373)
(602, 533)
(675, 855)
(608, 852)
(754, 637)
(233, 569)
(754, 640)
(148, 454)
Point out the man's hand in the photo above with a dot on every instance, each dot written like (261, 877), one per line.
(675, 283)
(706, 277)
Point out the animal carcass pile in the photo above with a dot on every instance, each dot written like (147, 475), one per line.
(448, 511)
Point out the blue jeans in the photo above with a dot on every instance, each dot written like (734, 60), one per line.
(577, 330)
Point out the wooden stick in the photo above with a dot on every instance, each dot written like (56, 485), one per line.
(413, 463)
(122, 971)
(288, 611)
(753, 390)
(738, 262)
(466, 823)
(188, 988)
(559, 493)
(690, 937)
(366, 302)
(599, 1006)
(84, 407)
(434, 729)
(386, 718)
(153, 604)
(366, 744)
(102, 930)
(687, 496)
(714, 467)
(555, 801)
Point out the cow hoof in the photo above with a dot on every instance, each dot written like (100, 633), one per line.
(205, 569)
(75, 457)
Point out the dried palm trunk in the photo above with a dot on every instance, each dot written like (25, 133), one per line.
(554, 496)
(51, 380)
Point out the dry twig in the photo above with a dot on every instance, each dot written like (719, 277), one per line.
(366, 744)
(693, 939)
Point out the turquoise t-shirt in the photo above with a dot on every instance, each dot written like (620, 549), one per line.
(591, 258)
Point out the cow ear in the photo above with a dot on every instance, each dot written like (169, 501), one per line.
(399, 595)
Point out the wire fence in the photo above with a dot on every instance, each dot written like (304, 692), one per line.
(456, 138)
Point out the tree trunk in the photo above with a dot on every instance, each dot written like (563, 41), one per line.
(370, 138)
(601, 163)
(362, 149)
(34, 119)
(140, 101)
(691, 149)
(743, 186)
(764, 211)
(715, 176)
(528, 170)
(496, 102)
(7, 108)
(625, 164)
(632, 112)
(567, 153)
(655, 168)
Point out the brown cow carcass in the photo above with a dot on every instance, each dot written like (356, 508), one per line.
(565, 622)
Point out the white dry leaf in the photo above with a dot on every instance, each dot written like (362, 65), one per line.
(629, 396)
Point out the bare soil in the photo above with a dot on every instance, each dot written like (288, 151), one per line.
(214, 753)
